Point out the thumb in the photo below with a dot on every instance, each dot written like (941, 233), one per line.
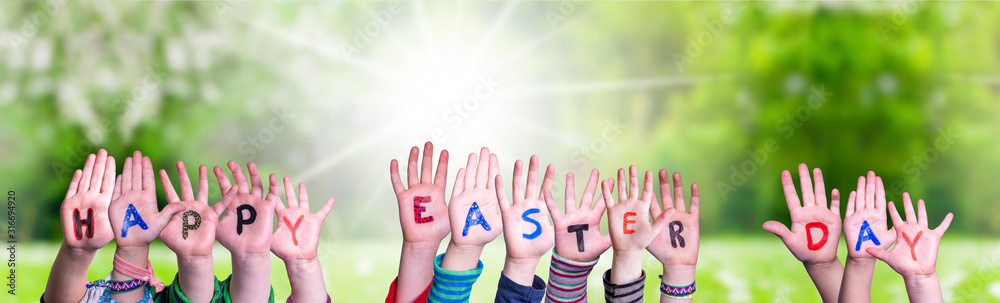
(878, 253)
(777, 228)
(661, 220)
(169, 211)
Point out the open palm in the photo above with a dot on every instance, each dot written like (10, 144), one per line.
(809, 216)
(625, 234)
(192, 232)
(867, 205)
(424, 196)
(917, 253)
(242, 236)
(136, 194)
(87, 199)
(682, 249)
(588, 214)
(474, 187)
(297, 236)
(519, 234)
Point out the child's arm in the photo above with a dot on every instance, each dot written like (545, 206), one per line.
(915, 258)
(578, 239)
(296, 242)
(191, 234)
(815, 232)
(85, 225)
(423, 217)
(136, 222)
(475, 221)
(631, 231)
(527, 234)
(245, 229)
(676, 247)
(864, 226)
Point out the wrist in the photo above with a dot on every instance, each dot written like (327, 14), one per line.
(298, 266)
(458, 257)
(626, 266)
(823, 265)
(921, 281)
(250, 260)
(421, 248)
(521, 271)
(195, 262)
(77, 252)
(136, 255)
(678, 275)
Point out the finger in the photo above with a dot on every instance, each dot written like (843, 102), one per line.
(679, 192)
(921, 213)
(74, 183)
(427, 163)
(483, 168)
(911, 216)
(303, 196)
(182, 175)
(459, 183)
(397, 185)
(622, 192)
(661, 221)
(590, 190)
(108, 184)
(168, 188)
(169, 211)
(126, 176)
(647, 187)
(820, 187)
(569, 193)
(633, 182)
(808, 197)
(257, 187)
(851, 208)
(202, 184)
(860, 202)
(239, 177)
(136, 171)
(442, 169)
(493, 172)
(879, 194)
(878, 253)
(548, 179)
(654, 208)
(518, 183)
(665, 196)
(777, 229)
(220, 176)
(550, 203)
(293, 201)
(695, 199)
(599, 207)
(944, 224)
(894, 215)
(835, 202)
(117, 192)
(470, 171)
(227, 197)
(870, 190)
(791, 197)
(325, 211)
(148, 177)
(411, 167)
(501, 195)
(88, 170)
(98, 173)
(606, 189)
(532, 190)
(272, 189)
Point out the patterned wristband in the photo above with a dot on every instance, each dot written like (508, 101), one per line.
(682, 292)
(117, 287)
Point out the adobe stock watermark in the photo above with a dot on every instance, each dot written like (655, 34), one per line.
(697, 43)
(122, 105)
(582, 157)
(787, 126)
(567, 8)
(224, 7)
(486, 89)
(259, 140)
(901, 13)
(976, 285)
(922, 161)
(34, 22)
(363, 36)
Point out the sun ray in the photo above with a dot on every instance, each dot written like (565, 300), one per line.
(490, 36)
(547, 90)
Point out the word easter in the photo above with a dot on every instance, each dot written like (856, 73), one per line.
(240, 220)
(418, 209)
(675, 234)
(809, 238)
(912, 243)
(626, 221)
(77, 223)
(866, 234)
(538, 227)
(185, 226)
(132, 218)
(294, 227)
(578, 229)
(475, 217)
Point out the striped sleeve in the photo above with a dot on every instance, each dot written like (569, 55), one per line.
(452, 286)
(629, 292)
(568, 280)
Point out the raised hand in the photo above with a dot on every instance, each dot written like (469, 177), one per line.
(423, 214)
(192, 232)
(578, 232)
(246, 225)
(473, 212)
(628, 220)
(84, 212)
(865, 224)
(135, 218)
(676, 245)
(527, 231)
(916, 255)
(815, 232)
(297, 236)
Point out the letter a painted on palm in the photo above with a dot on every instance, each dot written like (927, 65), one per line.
(866, 234)
(475, 217)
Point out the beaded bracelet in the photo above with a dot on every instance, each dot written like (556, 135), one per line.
(117, 287)
(682, 292)
(106, 298)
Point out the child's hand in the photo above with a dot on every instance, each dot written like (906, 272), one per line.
(584, 218)
(86, 203)
(678, 243)
(297, 236)
(526, 240)
(423, 214)
(865, 220)
(474, 188)
(133, 211)
(815, 232)
(246, 225)
(916, 255)
(628, 221)
(192, 232)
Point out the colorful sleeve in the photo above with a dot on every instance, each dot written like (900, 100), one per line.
(391, 297)
(174, 294)
(452, 286)
(510, 291)
(568, 280)
(628, 292)
(225, 298)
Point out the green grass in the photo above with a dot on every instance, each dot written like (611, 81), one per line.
(729, 270)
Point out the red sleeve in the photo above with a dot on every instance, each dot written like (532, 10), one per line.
(391, 297)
